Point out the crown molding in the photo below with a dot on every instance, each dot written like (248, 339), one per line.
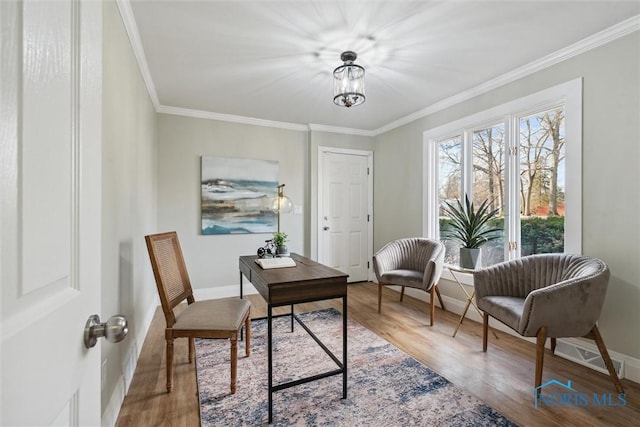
(126, 13)
(610, 34)
(230, 118)
(345, 131)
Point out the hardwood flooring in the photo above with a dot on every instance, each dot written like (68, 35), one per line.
(502, 377)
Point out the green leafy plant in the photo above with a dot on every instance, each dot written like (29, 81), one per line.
(279, 238)
(470, 226)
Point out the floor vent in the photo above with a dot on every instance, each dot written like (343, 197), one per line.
(587, 357)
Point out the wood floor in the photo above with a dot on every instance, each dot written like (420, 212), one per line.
(502, 377)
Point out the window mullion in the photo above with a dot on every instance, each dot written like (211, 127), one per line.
(467, 165)
(512, 184)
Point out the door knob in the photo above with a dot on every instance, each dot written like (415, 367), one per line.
(114, 329)
(325, 228)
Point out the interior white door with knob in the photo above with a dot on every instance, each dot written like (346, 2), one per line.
(50, 205)
(345, 207)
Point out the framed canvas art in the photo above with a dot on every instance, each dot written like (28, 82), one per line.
(236, 194)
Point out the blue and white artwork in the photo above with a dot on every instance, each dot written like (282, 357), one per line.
(236, 195)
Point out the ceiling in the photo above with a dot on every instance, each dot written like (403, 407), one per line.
(272, 60)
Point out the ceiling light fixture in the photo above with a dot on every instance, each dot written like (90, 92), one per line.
(348, 82)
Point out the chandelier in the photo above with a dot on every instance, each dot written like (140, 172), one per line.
(348, 82)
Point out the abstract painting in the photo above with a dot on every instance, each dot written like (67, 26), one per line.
(236, 194)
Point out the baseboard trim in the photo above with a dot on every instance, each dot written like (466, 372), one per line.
(111, 412)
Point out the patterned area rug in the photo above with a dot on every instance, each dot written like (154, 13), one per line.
(386, 387)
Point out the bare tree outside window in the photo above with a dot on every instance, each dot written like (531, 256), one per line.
(449, 188)
(514, 157)
(542, 166)
(488, 182)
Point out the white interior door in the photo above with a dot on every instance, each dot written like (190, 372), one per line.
(50, 206)
(344, 213)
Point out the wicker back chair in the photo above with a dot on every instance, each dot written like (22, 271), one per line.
(223, 318)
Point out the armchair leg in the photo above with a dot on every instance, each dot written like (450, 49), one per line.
(379, 296)
(594, 334)
(541, 338)
(432, 308)
(485, 330)
(401, 294)
(553, 346)
(439, 296)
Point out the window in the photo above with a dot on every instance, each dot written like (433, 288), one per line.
(524, 157)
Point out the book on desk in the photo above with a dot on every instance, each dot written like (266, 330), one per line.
(268, 263)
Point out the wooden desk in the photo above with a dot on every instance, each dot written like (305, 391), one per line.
(308, 281)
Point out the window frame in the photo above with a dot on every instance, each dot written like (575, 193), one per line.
(569, 95)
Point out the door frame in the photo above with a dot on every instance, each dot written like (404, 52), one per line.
(319, 195)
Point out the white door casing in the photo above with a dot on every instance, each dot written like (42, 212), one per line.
(344, 209)
(51, 106)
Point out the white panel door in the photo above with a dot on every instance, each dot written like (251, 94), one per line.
(344, 215)
(50, 206)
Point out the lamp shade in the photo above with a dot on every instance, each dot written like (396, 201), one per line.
(281, 204)
(348, 82)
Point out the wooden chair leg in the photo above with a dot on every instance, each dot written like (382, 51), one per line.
(439, 296)
(432, 308)
(541, 338)
(379, 296)
(234, 363)
(553, 346)
(595, 335)
(192, 349)
(169, 364)
(247, 335)
(401, 294)
(485, 330)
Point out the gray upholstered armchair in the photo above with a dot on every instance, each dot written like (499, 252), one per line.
(547, 295)
(412, 262)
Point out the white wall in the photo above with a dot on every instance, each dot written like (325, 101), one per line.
(212, 261)
(611, 177)
(128, 205)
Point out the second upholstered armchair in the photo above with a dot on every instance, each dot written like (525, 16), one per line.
(547, 295)
(413, 262)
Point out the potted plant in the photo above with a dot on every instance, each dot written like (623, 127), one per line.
(279, 239)
(471, 228)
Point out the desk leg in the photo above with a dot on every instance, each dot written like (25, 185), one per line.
(270, 361)
(291, 317)
(241, 295)
(344, 347)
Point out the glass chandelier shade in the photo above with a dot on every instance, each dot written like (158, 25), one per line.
(348, 82)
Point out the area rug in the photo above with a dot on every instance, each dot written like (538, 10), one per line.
(386, 387)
